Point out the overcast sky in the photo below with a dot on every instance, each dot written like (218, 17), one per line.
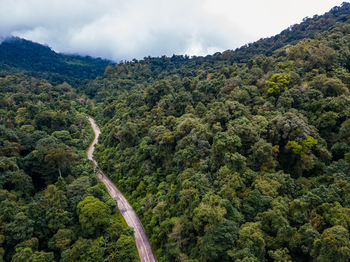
(127, 29)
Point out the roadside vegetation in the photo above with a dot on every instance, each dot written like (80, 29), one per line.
(239, 156)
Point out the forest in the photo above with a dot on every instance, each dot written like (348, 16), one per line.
(239, 156)
(52, 207)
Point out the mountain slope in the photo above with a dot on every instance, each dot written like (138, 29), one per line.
(19, 54)
(52, 207)
(227, 161)
(239, 156)
(309, 28)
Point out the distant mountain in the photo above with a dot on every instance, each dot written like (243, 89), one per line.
(38, 60)
(184, 65)
(18, 54)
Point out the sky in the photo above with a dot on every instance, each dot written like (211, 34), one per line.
(127, 29)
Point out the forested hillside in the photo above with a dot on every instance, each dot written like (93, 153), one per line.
(309, 28)
(18, 55)
(239, 156)
(51, 206)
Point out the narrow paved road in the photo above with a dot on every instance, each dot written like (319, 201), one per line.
(142, 243)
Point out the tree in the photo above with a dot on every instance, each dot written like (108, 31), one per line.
(60, 158)
(334, 245)
(303, 150)
(310, 54)
(63, 135)
(126, 249)
(93, 216)
(83, 250)
(22, 183)
(277, 84)
(288, 127)
(209, 213)
(217, 241)
(62, 239)
(223, 143)
(250, 243)
(255, 202)
(263, 155)
(22, 254)
(329, 86)
(303, 241)
(20, 229)
(41, 256)
(280, 255)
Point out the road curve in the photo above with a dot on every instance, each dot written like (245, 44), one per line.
(142, 243)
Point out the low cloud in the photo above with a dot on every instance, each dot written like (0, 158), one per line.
(123, 30)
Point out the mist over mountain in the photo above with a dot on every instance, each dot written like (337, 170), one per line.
(18, 54)
(119, 30)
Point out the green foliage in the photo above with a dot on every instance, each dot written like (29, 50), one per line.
(93, 215)
(44, 175)
(127, 248)
(303, 148)
(239, 156)
(59, 158)
(27, 254)
(250, 243)
(334, 245)
(40, 61)
(277, 84)
(203, 147)
(217, 241)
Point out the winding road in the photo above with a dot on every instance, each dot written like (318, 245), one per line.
(142, 243)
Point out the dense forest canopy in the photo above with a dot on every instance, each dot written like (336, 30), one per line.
(239, 156)
(230, 159)
(51, 206)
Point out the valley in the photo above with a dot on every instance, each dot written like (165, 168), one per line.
(242, 155)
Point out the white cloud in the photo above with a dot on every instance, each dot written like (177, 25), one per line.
(118, 29)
